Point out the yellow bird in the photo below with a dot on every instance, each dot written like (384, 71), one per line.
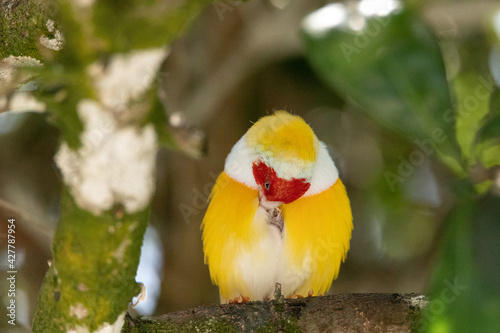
(278, 213)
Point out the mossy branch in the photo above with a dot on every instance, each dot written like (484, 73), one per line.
(336, 313)
(92, 274)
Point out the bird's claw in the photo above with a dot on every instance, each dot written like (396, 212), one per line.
(309, 294)
(239, 300)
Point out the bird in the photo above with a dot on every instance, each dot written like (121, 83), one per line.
(277, 213)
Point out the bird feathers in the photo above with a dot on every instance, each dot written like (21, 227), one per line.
(246, 252)
(227, 230)
(318, 231)
(284, 142)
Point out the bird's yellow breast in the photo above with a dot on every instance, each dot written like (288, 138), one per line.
(227, 230)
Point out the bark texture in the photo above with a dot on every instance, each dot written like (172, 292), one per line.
(336, 313)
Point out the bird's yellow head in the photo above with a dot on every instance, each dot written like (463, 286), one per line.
(284, 148)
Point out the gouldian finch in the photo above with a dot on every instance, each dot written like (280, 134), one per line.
(278, 213)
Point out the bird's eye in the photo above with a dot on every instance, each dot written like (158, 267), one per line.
(267, 185)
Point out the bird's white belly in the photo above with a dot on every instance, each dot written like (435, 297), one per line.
(266, 262)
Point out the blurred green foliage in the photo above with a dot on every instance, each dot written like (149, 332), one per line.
(487, 138)
(390, 64)
(134, 24)
(392, 68)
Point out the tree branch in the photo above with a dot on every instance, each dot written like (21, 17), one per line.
(336, 313)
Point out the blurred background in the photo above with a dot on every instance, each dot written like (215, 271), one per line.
(236, 62)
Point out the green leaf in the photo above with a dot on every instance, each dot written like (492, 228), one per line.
(490, 157)
(391, 66)
(488, 136)
(473, 96)
(465, 294)
(491, 130)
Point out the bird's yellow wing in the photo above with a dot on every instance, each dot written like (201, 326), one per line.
(318, 231)
(227, 231)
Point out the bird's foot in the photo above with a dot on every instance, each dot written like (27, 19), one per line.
(239, 300)
(309, 294)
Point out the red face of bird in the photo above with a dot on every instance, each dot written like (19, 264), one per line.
(284, 148)
(276, 189)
